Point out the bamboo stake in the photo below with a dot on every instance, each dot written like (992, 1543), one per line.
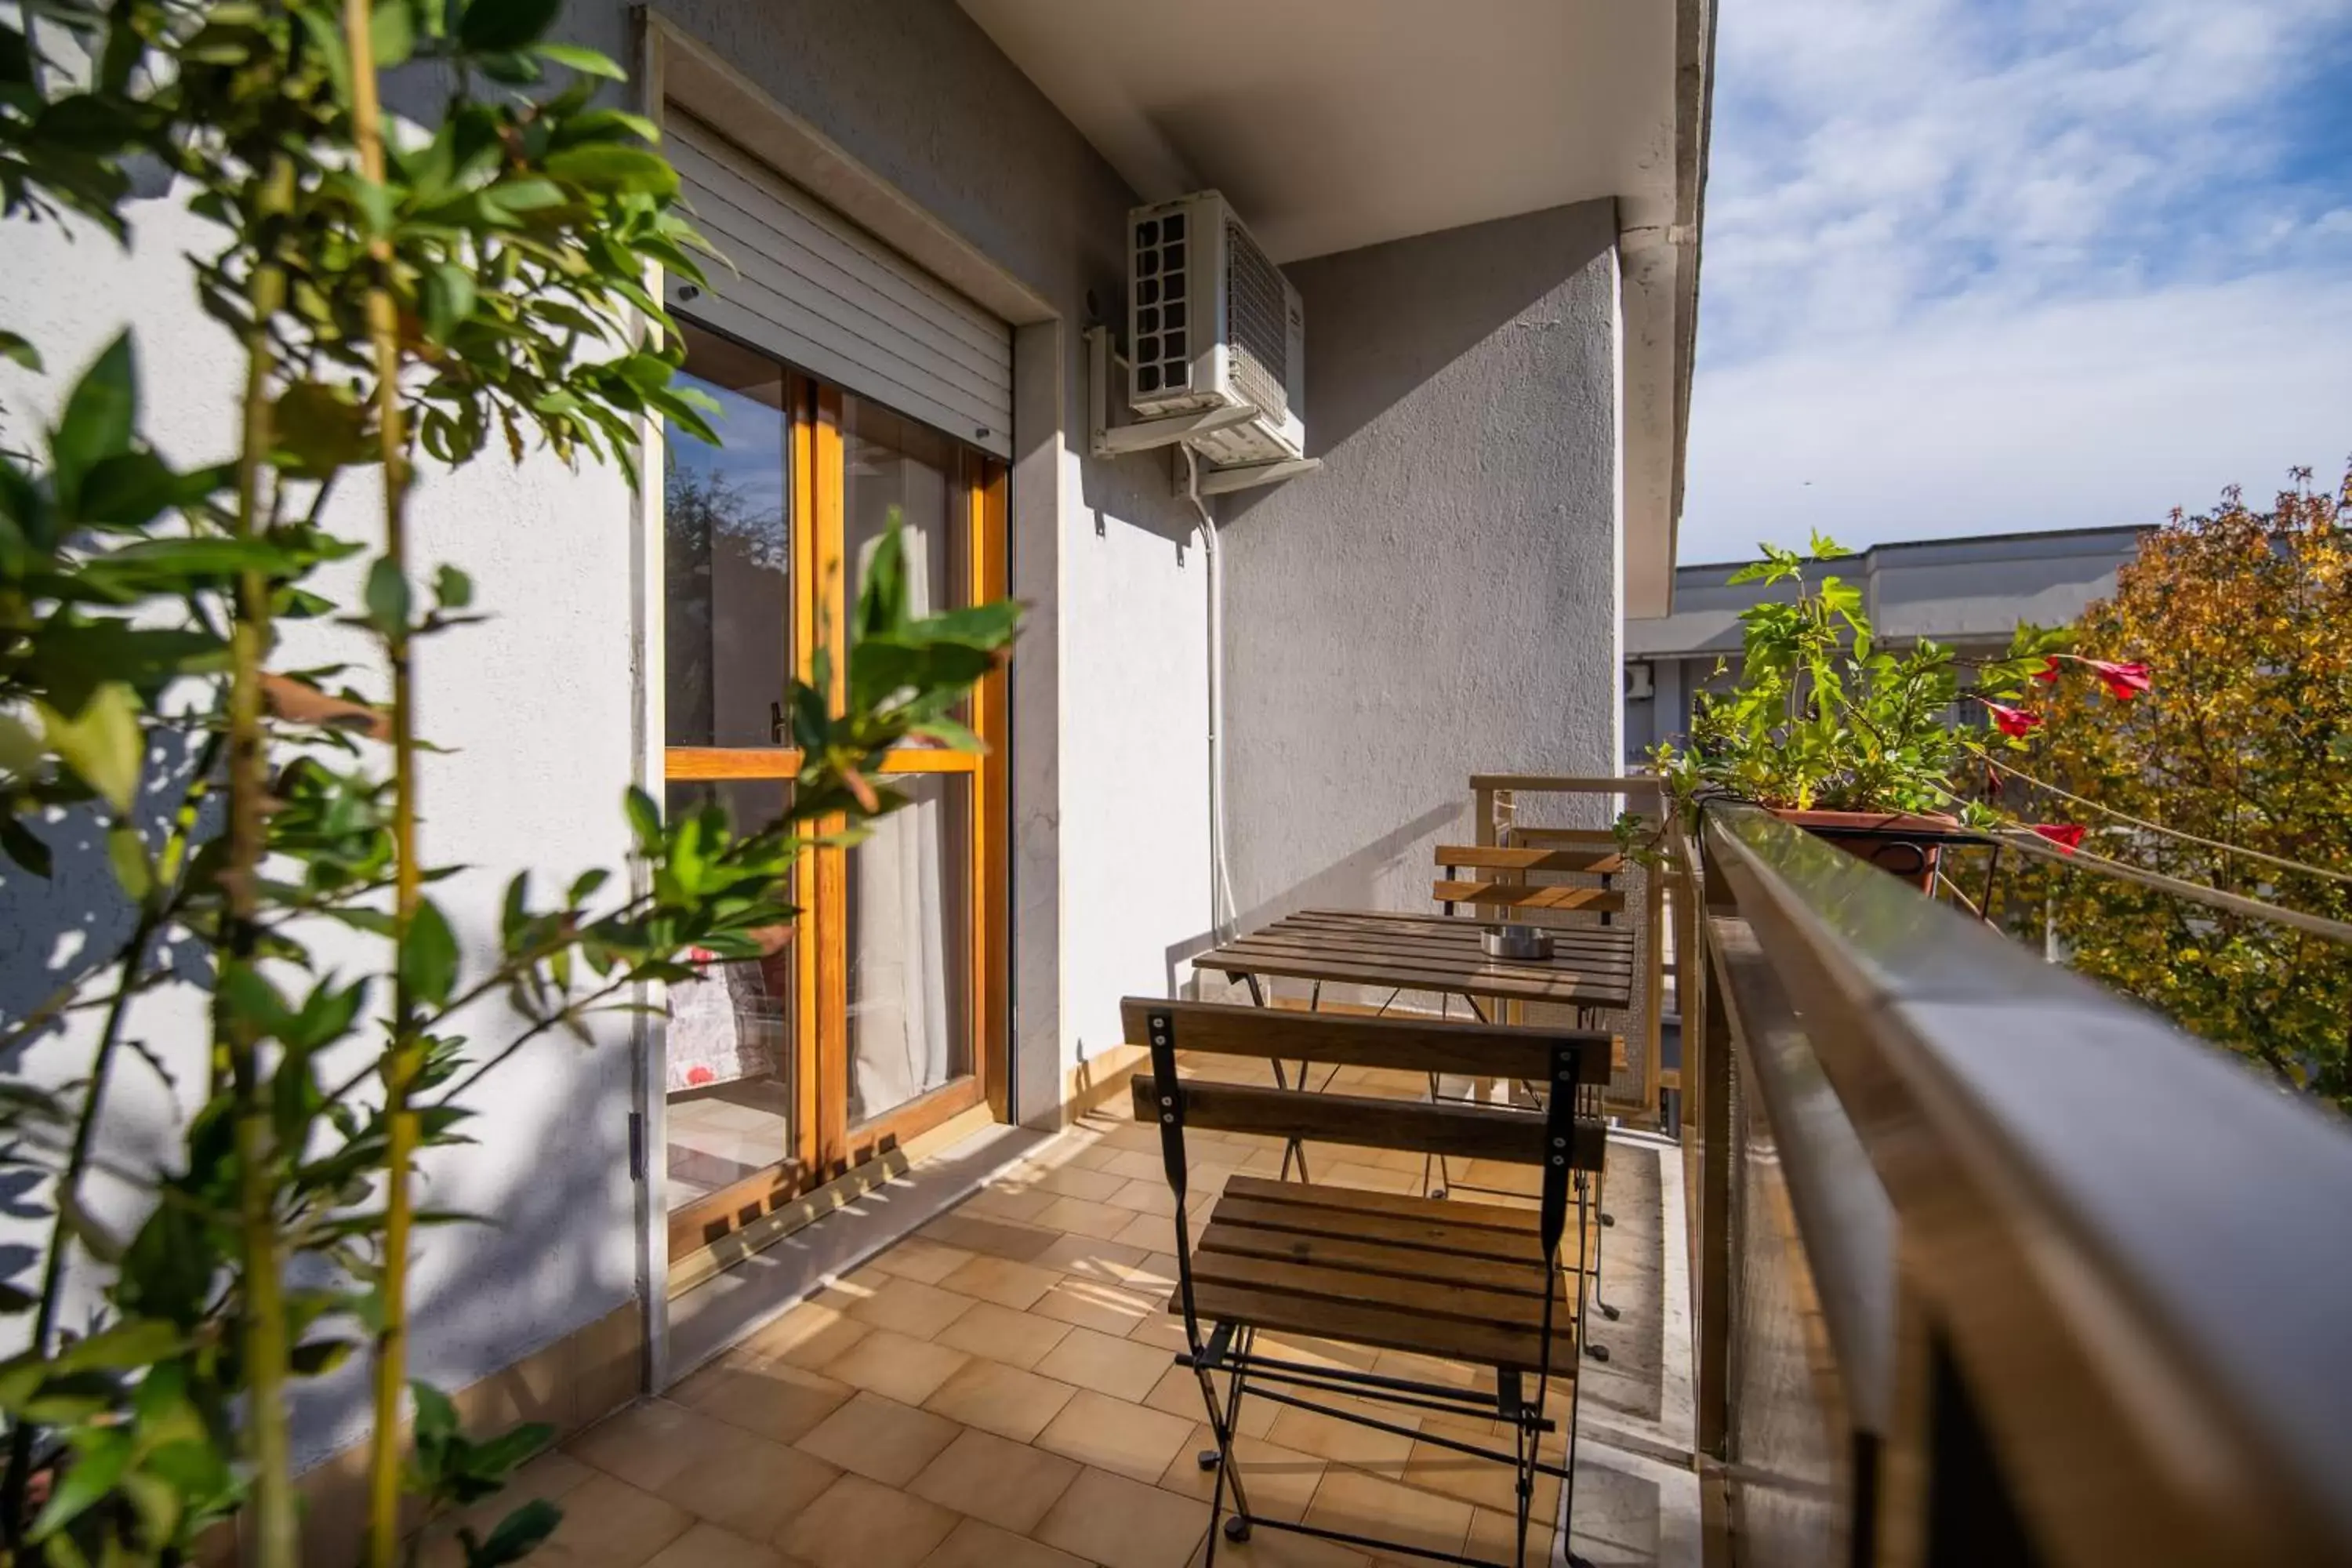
(406, 1060)
(236, 1054)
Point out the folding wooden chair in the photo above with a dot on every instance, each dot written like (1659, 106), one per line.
(1467, 1282)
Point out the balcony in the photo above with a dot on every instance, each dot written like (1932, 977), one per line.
(1952, 1262)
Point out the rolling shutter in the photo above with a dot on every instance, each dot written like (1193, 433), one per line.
(812, 289)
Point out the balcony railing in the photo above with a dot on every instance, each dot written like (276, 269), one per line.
(1990, 1265)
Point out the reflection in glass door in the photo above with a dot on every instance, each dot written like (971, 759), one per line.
(871, 1019)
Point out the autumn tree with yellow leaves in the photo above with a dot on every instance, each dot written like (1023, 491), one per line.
(2244, 737)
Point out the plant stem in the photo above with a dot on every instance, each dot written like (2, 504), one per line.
(236, 1048)
(407, 1058)
(153, 912)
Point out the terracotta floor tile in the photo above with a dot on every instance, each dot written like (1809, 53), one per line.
(1011, 1485)
(1473, 1480)
(881, 1439)
(998, 1238)
(1001, 1281)
(809, 1335)
(1092, 1257)
(1096, 1304)
(1366, 1447)
(651, 1443)
(976, 1545)
(1156, 1275)
(1178, 1393)
(1280, 1549)
(1110, 1519)
(1087, 1216)
(993, 1201)
(927, 1262)
(1016, 1338)
(1164, 1333)
(1000, 1399)
(1492, 1533)
(1137, 1164)
(1430, 1369)
(708, 1546)
(1107, 1364)
(776, 1399)
(910, 1306)
(1112, 1435)
(1365, 1505)
(608, 1523)
(858, 1524)
(1280, 1481)
(753, 1486)
(896, 1366)
(548, 1479)
(1148, 1230)
(1071, 1182)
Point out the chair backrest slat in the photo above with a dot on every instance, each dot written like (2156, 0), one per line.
(1456, 1132)
(1341, 1040)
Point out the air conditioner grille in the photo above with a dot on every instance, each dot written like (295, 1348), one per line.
(1260, 332)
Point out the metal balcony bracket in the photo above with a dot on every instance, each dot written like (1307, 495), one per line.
(1109, 440)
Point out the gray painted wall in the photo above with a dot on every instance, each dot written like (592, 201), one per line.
(1442, 598)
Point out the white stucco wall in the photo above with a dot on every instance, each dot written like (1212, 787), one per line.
(1444, 598)
(534, 709)
(1109, 752)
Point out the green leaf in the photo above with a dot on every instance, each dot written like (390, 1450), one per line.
(24, 848)
(446, 301)
(451, 589)
(99, 417)
(319, 1357)
(142, 1342)
(392, 33)
(497, 26)
(17, 347)
(103, 742)
(516, 1537)
(587, 62)
(604, 166)
(645, 820)
(437, 1419)
(126, 490)
(126, 853)
(387, 598)
(101, 1455)
(428, 959)
(321, 427)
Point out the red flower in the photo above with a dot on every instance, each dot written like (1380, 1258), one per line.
(2048, 673)
(2123, 681)
(698, 1076)
(2067, 835)
(2016, 722)
(699, 956)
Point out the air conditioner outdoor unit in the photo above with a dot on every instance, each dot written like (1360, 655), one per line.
(1211, 324)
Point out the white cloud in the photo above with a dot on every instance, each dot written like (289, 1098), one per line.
(1989, 266)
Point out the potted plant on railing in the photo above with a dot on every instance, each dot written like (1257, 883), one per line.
(1864, 747)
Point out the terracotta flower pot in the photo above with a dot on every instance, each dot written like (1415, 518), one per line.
(1878, 837)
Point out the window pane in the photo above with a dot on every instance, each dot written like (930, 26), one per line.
(889, 460)
(730, 1047)
(727, 568)
(910, 948)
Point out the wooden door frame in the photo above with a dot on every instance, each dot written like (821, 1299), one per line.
(825, 1145)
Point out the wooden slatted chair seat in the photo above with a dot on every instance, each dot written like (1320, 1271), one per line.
(1459, 1281)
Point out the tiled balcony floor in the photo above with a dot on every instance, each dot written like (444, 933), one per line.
(996, 1392)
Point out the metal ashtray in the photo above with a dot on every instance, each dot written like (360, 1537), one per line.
(1516, 942)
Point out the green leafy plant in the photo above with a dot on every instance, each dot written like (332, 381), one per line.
(1824, 717)
(400, 296)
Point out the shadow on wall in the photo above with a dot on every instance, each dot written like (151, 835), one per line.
(1346, 883)
(558, 1251)
(1382, 322)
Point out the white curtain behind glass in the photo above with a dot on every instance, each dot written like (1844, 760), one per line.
(903, 1023)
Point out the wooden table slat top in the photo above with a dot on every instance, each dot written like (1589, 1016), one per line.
(1591, 966)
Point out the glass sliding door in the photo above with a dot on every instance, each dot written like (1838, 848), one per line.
(879, 1014)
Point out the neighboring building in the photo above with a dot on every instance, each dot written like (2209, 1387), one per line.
(1491, 216)
(1969, 593)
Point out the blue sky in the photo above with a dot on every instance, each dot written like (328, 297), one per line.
(1990, 265)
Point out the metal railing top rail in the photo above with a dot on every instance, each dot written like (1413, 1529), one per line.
(2139, 1254)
